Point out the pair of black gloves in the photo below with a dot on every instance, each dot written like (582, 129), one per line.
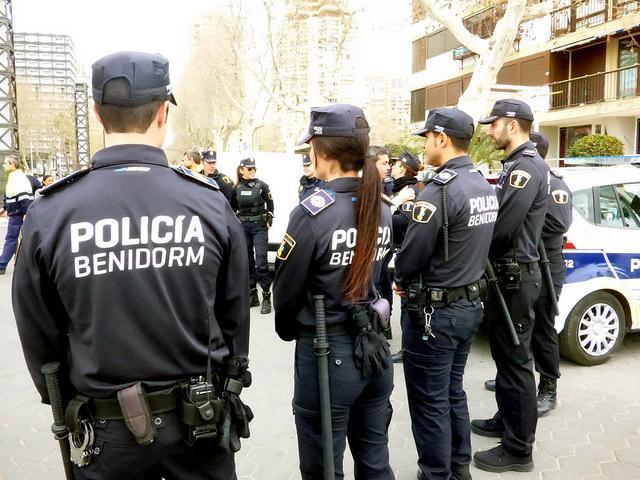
(235, 416)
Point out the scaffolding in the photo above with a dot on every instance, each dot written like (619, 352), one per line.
(9, 143)
(82, 124)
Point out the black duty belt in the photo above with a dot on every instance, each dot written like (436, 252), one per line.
(159, 402)
(332, 330)
(252, 218)
(440, 297)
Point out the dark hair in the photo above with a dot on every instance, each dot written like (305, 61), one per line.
(238, 175)
(410, 171)
(46, 177)
(352, 154)
(125, 119)
(375, 152)
(194, 155)
(460, 144)
(525, 125)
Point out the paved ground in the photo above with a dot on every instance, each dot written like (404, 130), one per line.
(593, 434)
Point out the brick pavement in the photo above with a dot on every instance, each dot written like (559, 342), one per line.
(594, 433)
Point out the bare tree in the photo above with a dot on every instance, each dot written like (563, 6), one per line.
(492, 52)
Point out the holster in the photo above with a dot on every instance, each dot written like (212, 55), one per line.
(137, 414)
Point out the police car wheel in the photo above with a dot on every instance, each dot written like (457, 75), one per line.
(594, 329)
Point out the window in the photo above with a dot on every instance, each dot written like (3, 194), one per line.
(629, 197)
(583, 203)
(609, 211)
(441, 42)
(570, 135)
(418, 105)
(419, 55)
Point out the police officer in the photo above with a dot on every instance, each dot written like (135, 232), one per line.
(544, 343)
(252, 200)
(522, 190)
(308, 182)
(331, 239)
(192, 160)
(440, 264)
(210, 164)
(134, 292)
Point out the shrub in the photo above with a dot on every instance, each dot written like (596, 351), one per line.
(483, 150)
(408, 143)
(596, 146)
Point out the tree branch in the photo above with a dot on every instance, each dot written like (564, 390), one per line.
(453, 23)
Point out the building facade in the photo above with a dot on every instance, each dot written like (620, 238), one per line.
(46, 74)
(578, 66)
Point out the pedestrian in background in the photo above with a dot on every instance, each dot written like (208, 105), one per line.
(331, 239)
(210, 169)
(308, 182)
(251, 199)
(192, 160)
(18, 195)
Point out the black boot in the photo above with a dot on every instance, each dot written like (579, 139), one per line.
(266, 303)
(254, 301)
(499, 460)
(488, 428)
(547, 389)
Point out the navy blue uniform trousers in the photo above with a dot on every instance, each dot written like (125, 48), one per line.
(257, 236)
(434, 370)
(544, 344)
(515, 382)
(11, 240)
(360, 410)
(117, 456)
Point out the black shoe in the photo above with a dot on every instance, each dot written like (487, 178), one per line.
(266, 303)
(460, 472)
(547, 391)
(488, 428)
(398, 357)
(254, 301)
(490, 385)
(499, 460)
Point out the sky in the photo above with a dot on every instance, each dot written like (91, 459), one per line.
(162, 26)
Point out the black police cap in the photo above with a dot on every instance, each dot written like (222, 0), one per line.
(541, 143)
(451, 121)
(509, 108)
(334, 120)
(147, 75)
(409, 160)
(248, 162)
(209, 156)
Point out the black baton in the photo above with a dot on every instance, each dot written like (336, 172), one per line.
(59, 428)
(544, 261)
(321, 349)
(493, 283)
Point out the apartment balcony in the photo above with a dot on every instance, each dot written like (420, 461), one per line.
(622, 83)
(588, 13)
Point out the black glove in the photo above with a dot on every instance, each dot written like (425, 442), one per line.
(269, 219)
(371, 351)
(234, 422)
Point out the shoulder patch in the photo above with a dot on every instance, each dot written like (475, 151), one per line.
(407, 206)
(519, 178)
(226, 179)
(317, 202)
(196, 177)
(423, 211)
(286, 247)
(529, 152)
(63, 182)
(445, 176)
(560, 196)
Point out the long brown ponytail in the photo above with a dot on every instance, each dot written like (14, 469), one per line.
(352, 155)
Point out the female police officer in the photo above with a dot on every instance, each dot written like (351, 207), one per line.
(252, 201)
(331, 240)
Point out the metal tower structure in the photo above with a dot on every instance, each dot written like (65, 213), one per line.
(82, 124)
(9, 143)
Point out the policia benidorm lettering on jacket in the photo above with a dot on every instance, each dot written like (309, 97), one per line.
(334, 246)
(133, 276)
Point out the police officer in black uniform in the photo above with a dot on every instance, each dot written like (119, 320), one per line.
(309, 184)
(252, 201)
(331, 240)
(132, 275)
(440, 265)
(210, 165)
(544, 343)
(522, 190)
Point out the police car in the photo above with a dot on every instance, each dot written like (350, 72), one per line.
(600, 300)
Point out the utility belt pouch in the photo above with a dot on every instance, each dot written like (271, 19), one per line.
(483, 289)
(437, 297)
(137, 414)
(417, 301)
(509, 275)
(382, 312)
(200, 410)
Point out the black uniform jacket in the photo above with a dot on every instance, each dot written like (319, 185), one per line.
(308, 185)
(559, 213)
(224, 182)
(316, 253)
(472, 208)
(402, 215)
(252, 197)
(118, 270)
(522, 189)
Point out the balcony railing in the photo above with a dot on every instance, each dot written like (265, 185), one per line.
(578, 15)
(600, 87)
(624, 7)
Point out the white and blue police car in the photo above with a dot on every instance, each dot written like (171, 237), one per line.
(600, 300)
